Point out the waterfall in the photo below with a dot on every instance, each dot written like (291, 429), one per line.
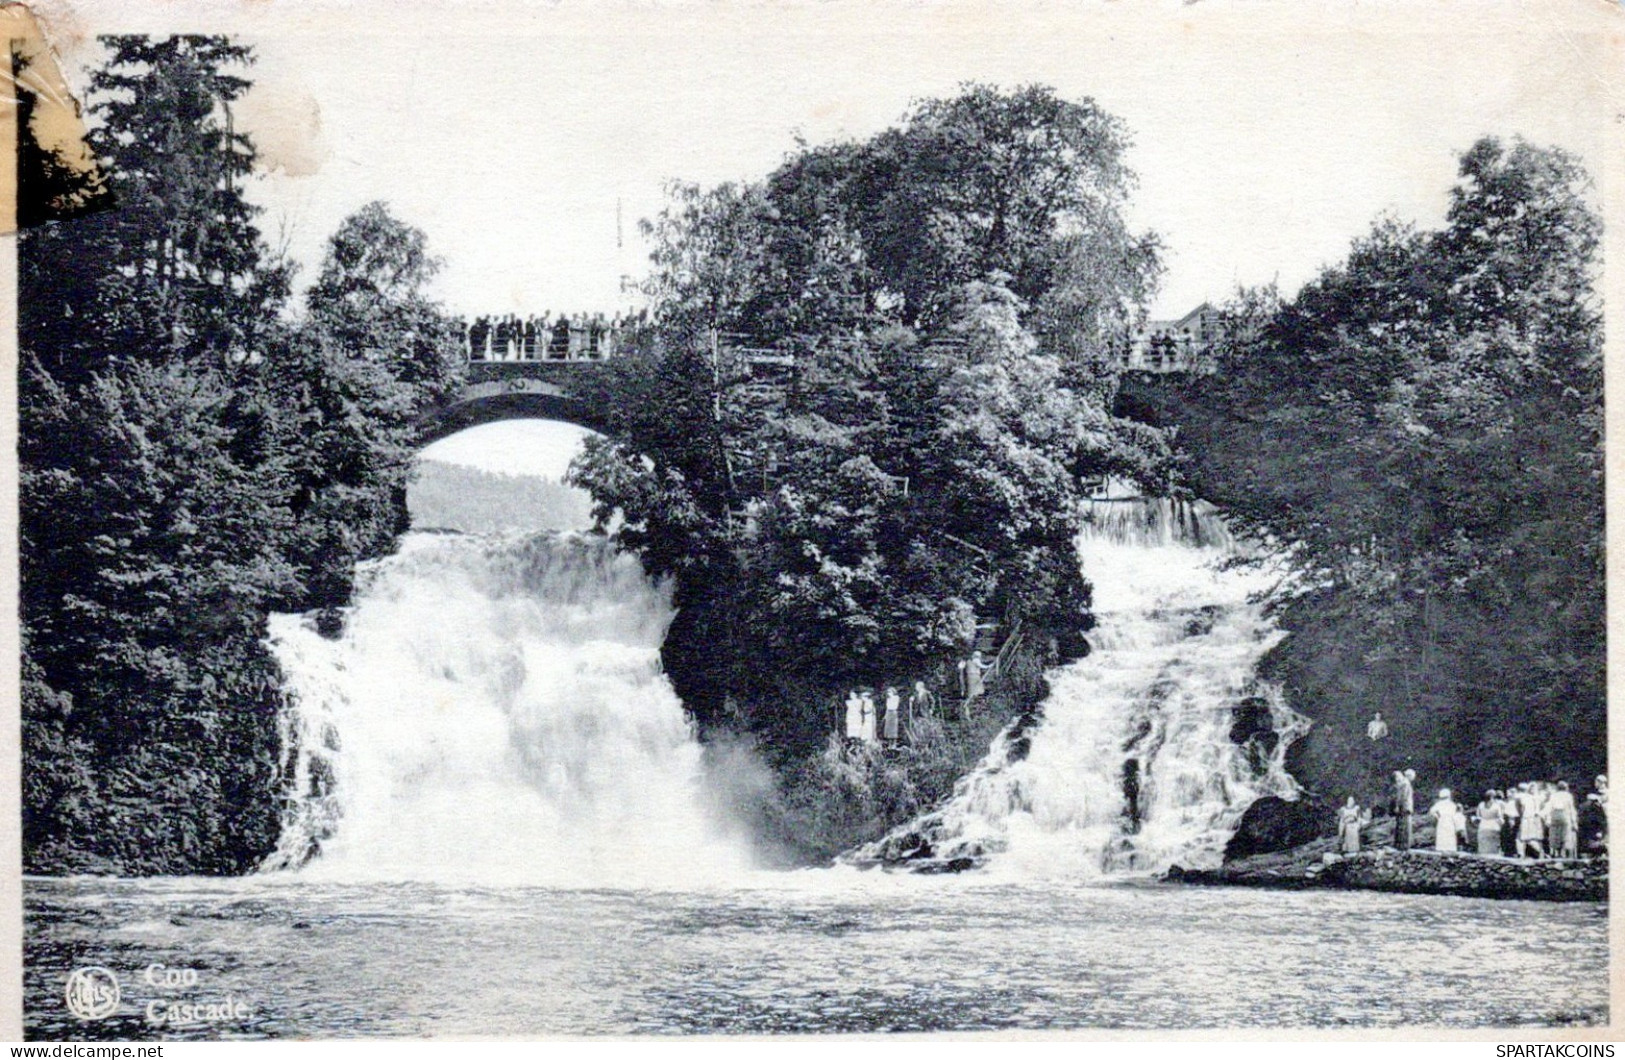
(1151, 747)
(495, 711)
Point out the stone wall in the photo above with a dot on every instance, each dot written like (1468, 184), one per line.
(1415, 872)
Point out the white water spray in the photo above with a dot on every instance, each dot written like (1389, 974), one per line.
(495, 712)
(1133, 766)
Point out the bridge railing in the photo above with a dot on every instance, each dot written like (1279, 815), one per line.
(1164, 353)
(498, 339)
(540, 339)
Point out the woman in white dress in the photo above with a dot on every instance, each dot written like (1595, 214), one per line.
(1349, 820)
(1448, 820)
(1531, 822)
(1563, 818)
(1489, 824)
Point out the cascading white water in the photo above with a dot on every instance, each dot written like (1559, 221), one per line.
(495, 711)
(1133, 766)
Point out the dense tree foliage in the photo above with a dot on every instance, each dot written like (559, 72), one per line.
(345, 391)
(872, 394)
(1422, 428)
(191, 459)
(1021, 186)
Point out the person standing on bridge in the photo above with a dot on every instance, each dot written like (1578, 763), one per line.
(595, 337)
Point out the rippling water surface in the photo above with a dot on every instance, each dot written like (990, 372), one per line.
(813, 952)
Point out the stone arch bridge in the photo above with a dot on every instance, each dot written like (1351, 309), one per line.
(511, 391)
(525, 369)
(529, 369)
(526, 378)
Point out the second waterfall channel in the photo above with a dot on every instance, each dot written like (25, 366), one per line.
(1148, 750)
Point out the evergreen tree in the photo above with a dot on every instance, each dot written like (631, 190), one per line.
(148, 618)
(179, 269)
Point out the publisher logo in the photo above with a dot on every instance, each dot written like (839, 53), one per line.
(92, 993)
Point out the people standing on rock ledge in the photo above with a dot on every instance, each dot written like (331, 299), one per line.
(1563, 821)
(1404, 808)
(891, 723)
(1350, 819)
(1450, 822)
(1531, 821)
(1488, 813)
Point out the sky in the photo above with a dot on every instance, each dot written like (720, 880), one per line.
(538, 448)
(527, 140)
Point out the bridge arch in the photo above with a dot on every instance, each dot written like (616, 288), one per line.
(513, 398)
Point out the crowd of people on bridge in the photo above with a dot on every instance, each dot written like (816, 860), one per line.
(1530, 820)
(564, 337)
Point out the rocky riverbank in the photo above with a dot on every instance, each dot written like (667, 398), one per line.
(1415, 872)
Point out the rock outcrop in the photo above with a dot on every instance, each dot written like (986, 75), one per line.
(1413, 872)
(1273, 824)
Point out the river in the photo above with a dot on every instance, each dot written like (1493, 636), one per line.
(822, 951)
